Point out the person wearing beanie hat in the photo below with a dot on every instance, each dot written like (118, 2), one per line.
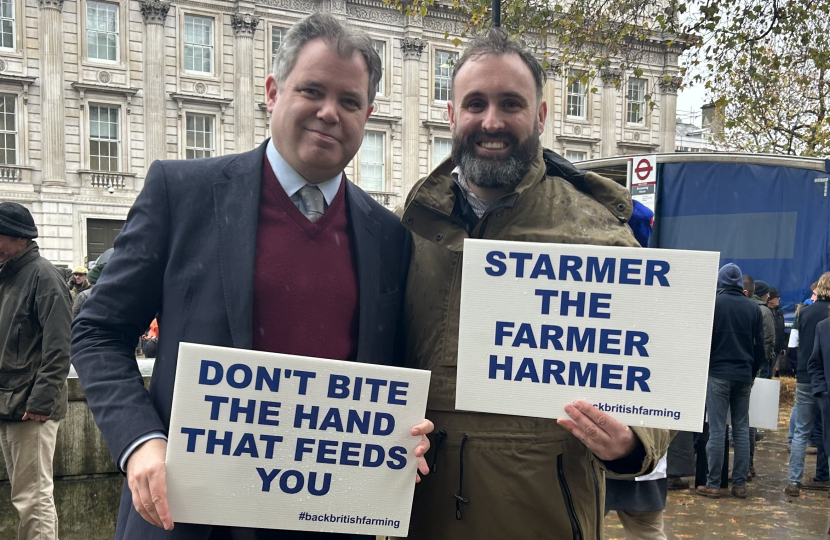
(16, 221)
(736, 354)
(759, 296)
(35, 322)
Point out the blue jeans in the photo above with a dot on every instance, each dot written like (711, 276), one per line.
(805, 418)
(722, 396)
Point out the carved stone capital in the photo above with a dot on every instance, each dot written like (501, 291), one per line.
(51, 4)
(670, 84)
(412, 48)
(244, 24)
(610, 76)
(154, 11)
(552, 69)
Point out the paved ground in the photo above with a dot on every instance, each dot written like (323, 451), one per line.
(766, 513)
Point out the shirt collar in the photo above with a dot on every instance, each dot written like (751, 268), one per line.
(478, 205)
(291, 181)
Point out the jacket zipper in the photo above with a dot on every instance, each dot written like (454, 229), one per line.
(566, 494)
(596, 494)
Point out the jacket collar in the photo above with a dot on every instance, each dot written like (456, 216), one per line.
(13, 265)
(429, 209)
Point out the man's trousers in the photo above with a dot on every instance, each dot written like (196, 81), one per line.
(28, 448)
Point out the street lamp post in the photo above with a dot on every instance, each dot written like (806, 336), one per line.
(496, 13)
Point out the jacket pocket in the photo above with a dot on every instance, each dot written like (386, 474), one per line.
(13, 358)
(13, 399)
(566, 496)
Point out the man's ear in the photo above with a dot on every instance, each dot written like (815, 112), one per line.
(271, 91)
(451, 115)
(543, 115)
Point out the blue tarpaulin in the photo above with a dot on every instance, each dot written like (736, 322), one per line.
(773, 222)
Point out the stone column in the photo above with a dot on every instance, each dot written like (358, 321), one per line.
(155, 117)
(669, 85)
(411, 49)
(53, 147)
(611, 77)
(244, 26)
(549, 96)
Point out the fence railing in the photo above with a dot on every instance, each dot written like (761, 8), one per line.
(10, 175)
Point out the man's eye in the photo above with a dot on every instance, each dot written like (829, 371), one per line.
(310, 91)
(476, 105)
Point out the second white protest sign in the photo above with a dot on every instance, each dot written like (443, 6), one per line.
(287, 442)
(626, 329)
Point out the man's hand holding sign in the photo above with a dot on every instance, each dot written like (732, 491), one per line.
(147, 481)
(586, 323)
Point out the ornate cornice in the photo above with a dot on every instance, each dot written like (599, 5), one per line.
(51, 4)
(610, 76)
(305, 6)
(670, 84)
(154, 11)
(387, 16)
(244, 24)
(412, 48)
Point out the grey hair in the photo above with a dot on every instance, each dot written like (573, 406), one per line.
(497, 43)
(343, 39)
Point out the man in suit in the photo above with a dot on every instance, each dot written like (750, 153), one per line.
(307, 264)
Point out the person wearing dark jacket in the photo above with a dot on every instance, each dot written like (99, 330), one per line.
(34, 363)
(737, 352)
(773, 303)
(83, 296)
(806, 404)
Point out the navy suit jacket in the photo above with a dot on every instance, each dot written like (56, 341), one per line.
(187, 252)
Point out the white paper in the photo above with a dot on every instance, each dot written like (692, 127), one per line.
(226, 488)
(663, 388)
(763, 404)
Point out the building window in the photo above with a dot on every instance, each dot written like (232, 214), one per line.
(635, 111)
(102, 31)
(380, 48)
(372, 161)
(7, 24)
(577, 99)
(198, 44)
(103, 138)
(574, 156)
(8, 129)
(444, 61)
(277, 35)
(441, 148)
(199, 136)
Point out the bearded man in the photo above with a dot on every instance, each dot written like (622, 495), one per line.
(498, 476)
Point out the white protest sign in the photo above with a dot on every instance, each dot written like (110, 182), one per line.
(627, 329)
(763, 404)
(288, 442)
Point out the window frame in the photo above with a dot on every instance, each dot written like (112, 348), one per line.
(384, 84)
(358, 160)
(628, 101)
(443, 136)
(215, 150)
(118, 33)
(585, 152)
(215, 63)
(586, 102)
(15, 132)
(272, 52)
(15, 11)
(119, 141)
(433, 78)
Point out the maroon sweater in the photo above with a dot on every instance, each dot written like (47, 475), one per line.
(305, 278)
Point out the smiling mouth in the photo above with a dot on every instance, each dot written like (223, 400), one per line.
(323, 135)
(492, 145)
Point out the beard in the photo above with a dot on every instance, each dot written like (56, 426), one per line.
(496, 172)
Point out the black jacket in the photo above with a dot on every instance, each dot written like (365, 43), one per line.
(34, 337)
(808, 318)
(780, 335)
(737, 350)
(819, 363)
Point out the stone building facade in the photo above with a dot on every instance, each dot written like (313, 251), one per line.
(93, 91)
